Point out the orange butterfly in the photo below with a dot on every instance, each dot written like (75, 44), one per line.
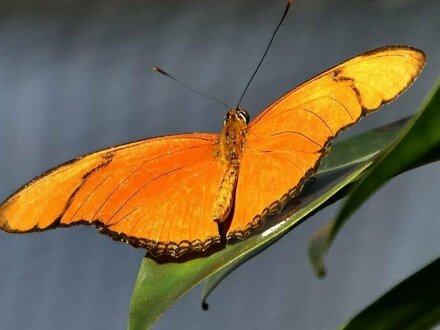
(171, 194)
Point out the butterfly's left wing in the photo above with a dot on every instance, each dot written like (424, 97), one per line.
(156, 193)
(286, 142)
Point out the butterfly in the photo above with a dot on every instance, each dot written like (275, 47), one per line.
(183, 193)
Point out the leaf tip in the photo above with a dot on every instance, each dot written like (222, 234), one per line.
(317, 262)
(318, 247)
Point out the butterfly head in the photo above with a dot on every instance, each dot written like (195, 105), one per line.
(237, 114)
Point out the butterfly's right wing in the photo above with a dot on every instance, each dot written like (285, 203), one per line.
(285, 142)
(156, 193)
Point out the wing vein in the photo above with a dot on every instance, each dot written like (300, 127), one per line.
(322, 120)
(153, 180)
(118, 221)
(343, 106)
(298, 133)
(88, 196)
(300, 105)
(135, 171)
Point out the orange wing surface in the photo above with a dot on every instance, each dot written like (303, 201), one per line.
(285, 142)
(162, 193)
(156, 193)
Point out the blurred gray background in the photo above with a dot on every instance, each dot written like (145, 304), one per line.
(75, 77)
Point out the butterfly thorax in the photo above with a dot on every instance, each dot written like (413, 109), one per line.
(231, 144)
(232, 137)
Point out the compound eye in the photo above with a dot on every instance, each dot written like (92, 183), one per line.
(243, 115)
(227, 117)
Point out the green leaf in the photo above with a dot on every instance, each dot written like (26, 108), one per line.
(414, 304)
(418, 144)
(362, 147)
(344, 154)
(159, 285)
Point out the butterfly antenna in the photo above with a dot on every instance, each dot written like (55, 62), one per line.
(289, 4)
(159, 70)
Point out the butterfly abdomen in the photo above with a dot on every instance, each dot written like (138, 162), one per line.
(225, 197)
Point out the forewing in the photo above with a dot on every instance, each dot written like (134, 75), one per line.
(285, 143)
(156, 193)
